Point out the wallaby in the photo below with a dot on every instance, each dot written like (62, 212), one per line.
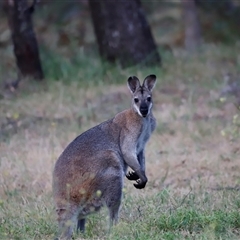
(90, 171)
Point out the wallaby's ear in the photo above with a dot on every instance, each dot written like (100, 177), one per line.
(133, 83)
(149, 82)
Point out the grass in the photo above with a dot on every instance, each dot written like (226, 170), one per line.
(165, 215)
(192, 159)
(177, 218)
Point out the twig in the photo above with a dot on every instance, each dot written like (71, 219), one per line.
(179, 205)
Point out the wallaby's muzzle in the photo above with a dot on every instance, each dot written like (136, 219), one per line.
(144, 109)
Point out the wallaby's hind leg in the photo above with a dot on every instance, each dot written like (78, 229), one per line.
(113, 213)
(114, 201)
(81, 225)
(66, 220)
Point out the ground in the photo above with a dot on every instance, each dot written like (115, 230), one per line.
(192, 158)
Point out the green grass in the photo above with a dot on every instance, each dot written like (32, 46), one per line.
(26, 218)
(168, 217)
(165, 215)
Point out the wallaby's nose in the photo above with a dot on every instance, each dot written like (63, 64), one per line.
(144, 109)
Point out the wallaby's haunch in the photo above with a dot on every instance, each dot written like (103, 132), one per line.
(90, 171)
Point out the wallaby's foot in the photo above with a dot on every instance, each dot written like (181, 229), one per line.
(132, 176)
(140, 184)
(81, 225)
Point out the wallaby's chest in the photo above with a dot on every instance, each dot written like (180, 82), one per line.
(144, 135)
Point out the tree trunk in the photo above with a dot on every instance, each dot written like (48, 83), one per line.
(123, 33)
(23, 37)
(192, 26)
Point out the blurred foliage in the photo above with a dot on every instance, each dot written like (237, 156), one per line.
(67, 42)
(220, 20)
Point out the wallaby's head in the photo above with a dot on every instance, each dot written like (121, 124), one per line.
(142, 94)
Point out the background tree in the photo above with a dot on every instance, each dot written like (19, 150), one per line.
(123, 33)
(25, 44)
(192, 30)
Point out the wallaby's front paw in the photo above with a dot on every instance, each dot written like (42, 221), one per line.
(132, 176)
(140, 184)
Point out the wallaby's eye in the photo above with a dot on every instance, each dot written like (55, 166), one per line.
(136, 100)
(149, 99)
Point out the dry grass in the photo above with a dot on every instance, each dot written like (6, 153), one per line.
(188, 153)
